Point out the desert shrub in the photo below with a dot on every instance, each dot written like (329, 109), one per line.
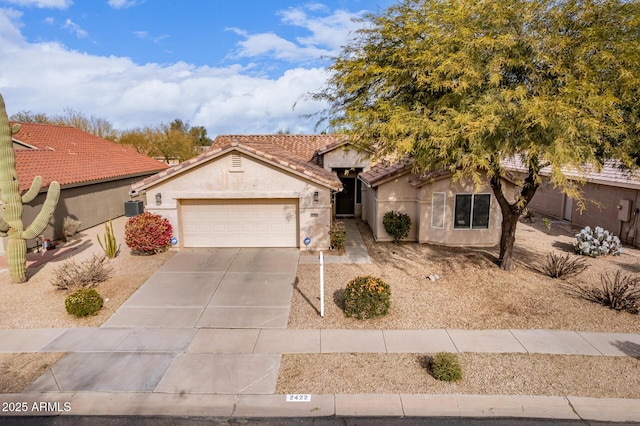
(528, 216)
(596, 242)
(70, 227)
(367, 297)
(619, 292)
(148, 234)
(337, 235)
(71, 275)
(557, 266)
(396, 224)
(83, 302)
(445, 366)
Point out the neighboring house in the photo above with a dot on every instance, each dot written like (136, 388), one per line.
(95, 174)
(259, 191)
(611, 198)
(442, 211)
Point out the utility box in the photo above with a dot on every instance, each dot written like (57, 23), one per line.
(624, 210)
(133, 208)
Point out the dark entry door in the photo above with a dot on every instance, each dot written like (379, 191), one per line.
(346, 199)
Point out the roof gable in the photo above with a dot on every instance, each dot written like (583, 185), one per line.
(71, 156)
(264, 152)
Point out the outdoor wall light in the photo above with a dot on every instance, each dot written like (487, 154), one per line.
(158, 199)
(315, 197)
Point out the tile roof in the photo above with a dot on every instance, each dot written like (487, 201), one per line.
(381, 173)
(611, 174)
(71, 156)
(271, 153)
(304, 146)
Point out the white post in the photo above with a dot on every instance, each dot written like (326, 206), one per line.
(321, 285)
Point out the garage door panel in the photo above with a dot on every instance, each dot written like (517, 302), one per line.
(239, 223)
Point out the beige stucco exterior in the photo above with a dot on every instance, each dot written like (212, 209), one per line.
(399, 195)
(221, 178)
(601, 208)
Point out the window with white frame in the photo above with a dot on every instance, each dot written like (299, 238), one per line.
(438, 200)
(472, 211)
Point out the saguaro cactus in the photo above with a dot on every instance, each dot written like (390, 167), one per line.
(11, 224)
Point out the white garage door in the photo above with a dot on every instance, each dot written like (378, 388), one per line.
(240, 223)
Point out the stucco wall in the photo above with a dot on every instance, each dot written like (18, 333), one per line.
(91, 204)
(601, 202)
(344, 158)
(218, 179)
(399, 195)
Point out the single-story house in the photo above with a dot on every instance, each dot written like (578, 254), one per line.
(259, 191)
(611, 198)
(95, 174)
(442, 211)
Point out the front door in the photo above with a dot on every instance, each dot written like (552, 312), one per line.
(346, 199)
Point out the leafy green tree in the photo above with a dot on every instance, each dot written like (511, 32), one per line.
(467, 84)
(199, 135)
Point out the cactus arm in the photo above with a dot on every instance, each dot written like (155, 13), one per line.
(42, 220)
(28, 196)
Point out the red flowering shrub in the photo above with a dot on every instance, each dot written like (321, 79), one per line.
(148, 234)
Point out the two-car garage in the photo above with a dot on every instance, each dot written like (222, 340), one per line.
(244, 196)
(239, 223)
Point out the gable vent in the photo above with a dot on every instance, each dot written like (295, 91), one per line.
(236, 161)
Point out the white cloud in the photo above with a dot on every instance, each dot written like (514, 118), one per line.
(75, 29)
(49, 77)
(326, 36)
(123, 4)
(49, 20)
(144, 35)
(42, 4)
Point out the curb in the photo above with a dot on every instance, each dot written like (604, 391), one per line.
(378, 405)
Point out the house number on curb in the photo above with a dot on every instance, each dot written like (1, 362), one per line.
(298, 397)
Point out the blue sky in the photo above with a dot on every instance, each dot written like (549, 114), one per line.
(233, 66)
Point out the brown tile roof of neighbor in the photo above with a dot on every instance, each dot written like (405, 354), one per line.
(271, 153)
(304, 146)
(610, 174)
(71, 157)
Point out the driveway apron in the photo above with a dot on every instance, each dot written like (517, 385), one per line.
(163, 339)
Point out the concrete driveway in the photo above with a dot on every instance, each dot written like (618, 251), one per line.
(215, 288)
(188, 329)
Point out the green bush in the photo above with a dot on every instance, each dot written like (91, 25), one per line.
(396, 224)
(367, 297)
(338, 235)
(446, 367)
(147, 234)
(83, 302)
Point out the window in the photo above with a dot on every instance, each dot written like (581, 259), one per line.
(472, 211)
(437, 209)
(358, 191)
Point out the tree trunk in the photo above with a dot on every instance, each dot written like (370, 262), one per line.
(507, 240)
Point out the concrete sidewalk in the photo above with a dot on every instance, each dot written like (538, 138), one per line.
(286, 341)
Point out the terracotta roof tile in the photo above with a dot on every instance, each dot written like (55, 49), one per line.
(71, 156)
(269, 152)
(304, 146)
(382, 172)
